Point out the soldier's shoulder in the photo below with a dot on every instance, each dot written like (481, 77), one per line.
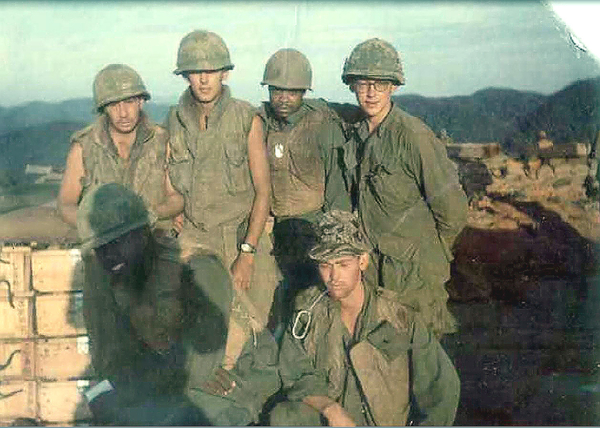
(84, 133)
(242, 105)
(349, 113)
(158, 130)
(407, 122)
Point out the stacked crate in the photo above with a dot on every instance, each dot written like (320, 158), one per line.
(44, 355)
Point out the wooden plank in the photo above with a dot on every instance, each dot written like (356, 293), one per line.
(57, 270)
(17, 359)
(60, 314)
(15, 267)
(63, 401)
(17, 399)
(16, 317)
(62, 359)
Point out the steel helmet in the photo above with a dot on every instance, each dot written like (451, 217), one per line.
(109, 211)
(202, 50)
(117, 82)
(288, 69)
(376, 59)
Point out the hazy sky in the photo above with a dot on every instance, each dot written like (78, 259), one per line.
(52, 50)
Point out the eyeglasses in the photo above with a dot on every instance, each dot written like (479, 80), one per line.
(379, 85)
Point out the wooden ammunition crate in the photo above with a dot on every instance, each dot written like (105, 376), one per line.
(63, 401)
(17, 360)
(62, 358)
(16, 316)
(57, 270)
(14, 270)
(60, 314)
(19, 399)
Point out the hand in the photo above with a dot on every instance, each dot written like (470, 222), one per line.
(220, 384)
(242, 270)
(337, 416)
(178, 222)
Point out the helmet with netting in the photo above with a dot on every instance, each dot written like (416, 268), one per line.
(202, 51)
(373, 59)
(109, 211)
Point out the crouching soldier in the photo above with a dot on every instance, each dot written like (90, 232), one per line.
(157, 326)
(354, 355)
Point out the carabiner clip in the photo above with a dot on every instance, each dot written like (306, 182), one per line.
(298, 322)
(308, 314)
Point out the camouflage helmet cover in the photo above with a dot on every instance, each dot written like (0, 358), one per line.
(376, 59)
(202, 50)
(288, 69)
(117, 82)
(109, 211)
(339, 235)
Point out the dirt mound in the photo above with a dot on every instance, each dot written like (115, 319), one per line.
(528, 219)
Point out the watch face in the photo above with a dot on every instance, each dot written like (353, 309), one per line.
(247, 248)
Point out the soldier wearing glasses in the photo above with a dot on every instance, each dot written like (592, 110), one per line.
(410, 203)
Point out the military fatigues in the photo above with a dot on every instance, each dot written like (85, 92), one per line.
(374, 374)
(303, 157)
(143, 172)
(210, 169)
(306, 179)
(412, 208)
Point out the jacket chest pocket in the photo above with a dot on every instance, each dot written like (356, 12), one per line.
(374, 179)
(236, 172)
(389, 341)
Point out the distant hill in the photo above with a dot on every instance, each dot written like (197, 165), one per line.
(75, 110)
(571, 114)
(38, 132)
(485, 116)
(42, 144)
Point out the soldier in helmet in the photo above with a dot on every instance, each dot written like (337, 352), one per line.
(410, 202)
(354, 355)
(121, 146)
(158, 326)
(218, 163)
(304, 141)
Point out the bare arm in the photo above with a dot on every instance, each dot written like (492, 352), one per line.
(172, 203)
(70, 187)
(259, 169)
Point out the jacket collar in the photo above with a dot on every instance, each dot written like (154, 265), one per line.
(189, 112)
(267, 114)
(143, 132)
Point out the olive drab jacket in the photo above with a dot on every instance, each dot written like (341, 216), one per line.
(143, 172)
(303, 153)
(412, 208)
(210, 167)
(390, 360)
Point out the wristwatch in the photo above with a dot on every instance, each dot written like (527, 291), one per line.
(247, 248)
